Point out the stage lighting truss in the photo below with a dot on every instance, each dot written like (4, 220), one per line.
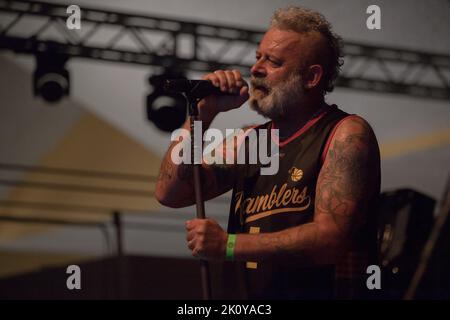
(187, 45)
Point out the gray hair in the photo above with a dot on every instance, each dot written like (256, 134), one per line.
(304, 21)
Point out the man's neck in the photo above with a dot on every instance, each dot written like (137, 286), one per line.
(295, 121)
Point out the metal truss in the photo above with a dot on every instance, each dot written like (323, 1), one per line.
(33, 27)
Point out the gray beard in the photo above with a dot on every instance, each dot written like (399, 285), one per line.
(280, 101)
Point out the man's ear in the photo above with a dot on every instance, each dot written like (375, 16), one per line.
(313, 76)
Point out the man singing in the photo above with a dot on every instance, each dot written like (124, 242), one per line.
(293, 234)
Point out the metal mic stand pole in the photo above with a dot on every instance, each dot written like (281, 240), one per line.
(200, 205)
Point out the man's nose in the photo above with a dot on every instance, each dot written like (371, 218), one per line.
(258, 70)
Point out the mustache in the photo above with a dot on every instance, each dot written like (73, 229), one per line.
(259, 83)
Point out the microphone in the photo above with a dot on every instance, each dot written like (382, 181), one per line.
(197, 89)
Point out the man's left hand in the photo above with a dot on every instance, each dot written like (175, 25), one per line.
(206, 239)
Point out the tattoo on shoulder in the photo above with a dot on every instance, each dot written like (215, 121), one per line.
(347, 177)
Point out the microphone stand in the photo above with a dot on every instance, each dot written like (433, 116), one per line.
(200, 205)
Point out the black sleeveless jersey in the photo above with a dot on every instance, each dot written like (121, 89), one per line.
(270, 203)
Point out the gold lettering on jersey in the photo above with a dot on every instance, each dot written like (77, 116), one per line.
(276, 202)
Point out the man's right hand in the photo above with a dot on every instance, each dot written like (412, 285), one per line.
(228, 81)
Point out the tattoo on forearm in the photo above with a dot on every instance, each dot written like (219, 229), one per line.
(215, 178)
(298, 243)
(165, 172)
(169, 173)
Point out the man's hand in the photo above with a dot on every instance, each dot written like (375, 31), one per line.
(229, 81)
(206, 239)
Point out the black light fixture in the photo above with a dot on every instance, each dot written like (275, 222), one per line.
(166, 110)
(51, 79)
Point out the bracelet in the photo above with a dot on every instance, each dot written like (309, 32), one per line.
(231, 242)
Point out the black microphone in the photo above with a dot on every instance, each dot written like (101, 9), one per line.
(197, 89)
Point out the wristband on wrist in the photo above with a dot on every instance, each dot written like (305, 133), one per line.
(231, 243)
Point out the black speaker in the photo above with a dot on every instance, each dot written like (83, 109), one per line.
(405, 222)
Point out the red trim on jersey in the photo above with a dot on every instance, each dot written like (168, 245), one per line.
(330, 137)
(302, 130)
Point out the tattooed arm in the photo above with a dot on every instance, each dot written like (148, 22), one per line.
(348, 179)
(175, 185)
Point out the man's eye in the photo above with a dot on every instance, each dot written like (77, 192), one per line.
(275, 62)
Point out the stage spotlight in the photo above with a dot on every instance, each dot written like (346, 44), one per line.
(166, 110)
(51, 79)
